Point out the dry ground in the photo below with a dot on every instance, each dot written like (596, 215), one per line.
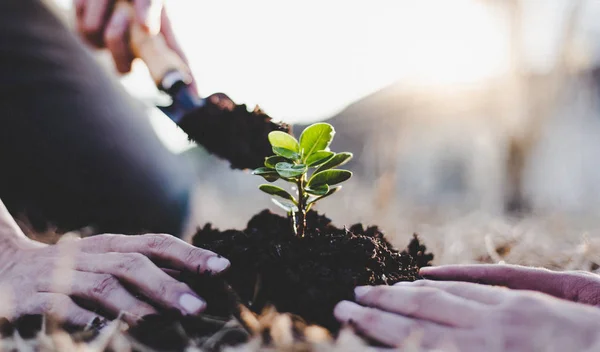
(558, 241)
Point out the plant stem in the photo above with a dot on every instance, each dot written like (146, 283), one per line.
(294, 220)
(301, 214)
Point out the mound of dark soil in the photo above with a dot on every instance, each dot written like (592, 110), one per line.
(232, 132)
(305, 276)
(271, 268)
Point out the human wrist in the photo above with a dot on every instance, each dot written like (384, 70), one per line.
(11, 244)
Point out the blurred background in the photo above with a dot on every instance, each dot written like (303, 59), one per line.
(462, 109)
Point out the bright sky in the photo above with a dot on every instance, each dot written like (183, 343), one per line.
(303, 61)
(308, 60)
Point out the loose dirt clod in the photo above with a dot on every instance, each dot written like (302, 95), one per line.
(307, 276)
(231, 132)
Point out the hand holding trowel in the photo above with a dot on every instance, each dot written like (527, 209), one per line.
(225, 129)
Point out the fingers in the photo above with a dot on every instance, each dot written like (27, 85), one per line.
(79, 6)
(103, 24)
(170, 38)
(146, 278)
(494, 274)
(102, 289)
(388, 328)
(511, 276)
(116, 39)
(427, 303)
(148, 14)
(169, 251)
(60, 307)
(176, 274)
(167, 31)
(91, 19)
(479, 293)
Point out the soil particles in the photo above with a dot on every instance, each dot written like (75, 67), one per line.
(272, 270)
(271, 266)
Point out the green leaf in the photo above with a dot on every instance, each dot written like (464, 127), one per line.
(320, 190)
(330, 192)
(286, 153)
(315, 138)
(338, 160)
(285, 205)
(277, 191)
(262, 170)
(284, 140)
(271, 177)
(329, 177)
(318, 158)
(287, 170)
(267, 173)
(273, 160)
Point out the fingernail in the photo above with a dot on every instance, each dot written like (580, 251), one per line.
(360, 291)
(217, 264)
(346, 310)
(191, 304)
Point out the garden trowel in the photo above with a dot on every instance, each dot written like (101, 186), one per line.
(225, 129)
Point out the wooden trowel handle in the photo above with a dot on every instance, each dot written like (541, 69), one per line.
(154, 51)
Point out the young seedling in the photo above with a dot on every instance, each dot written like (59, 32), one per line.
(309, 165)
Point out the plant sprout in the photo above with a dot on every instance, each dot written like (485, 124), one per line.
(309, 165)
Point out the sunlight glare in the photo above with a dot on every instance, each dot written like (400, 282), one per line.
(308, 60)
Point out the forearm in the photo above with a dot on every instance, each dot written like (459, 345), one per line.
(81, 153)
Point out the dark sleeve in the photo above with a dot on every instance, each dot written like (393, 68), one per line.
(75, 150)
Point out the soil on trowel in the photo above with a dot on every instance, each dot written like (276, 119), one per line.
(231, 132)
(307, 276)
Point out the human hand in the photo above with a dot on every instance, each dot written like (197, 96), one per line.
(105, 25)
(470, 317)
(114, 273)
(575, 286)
